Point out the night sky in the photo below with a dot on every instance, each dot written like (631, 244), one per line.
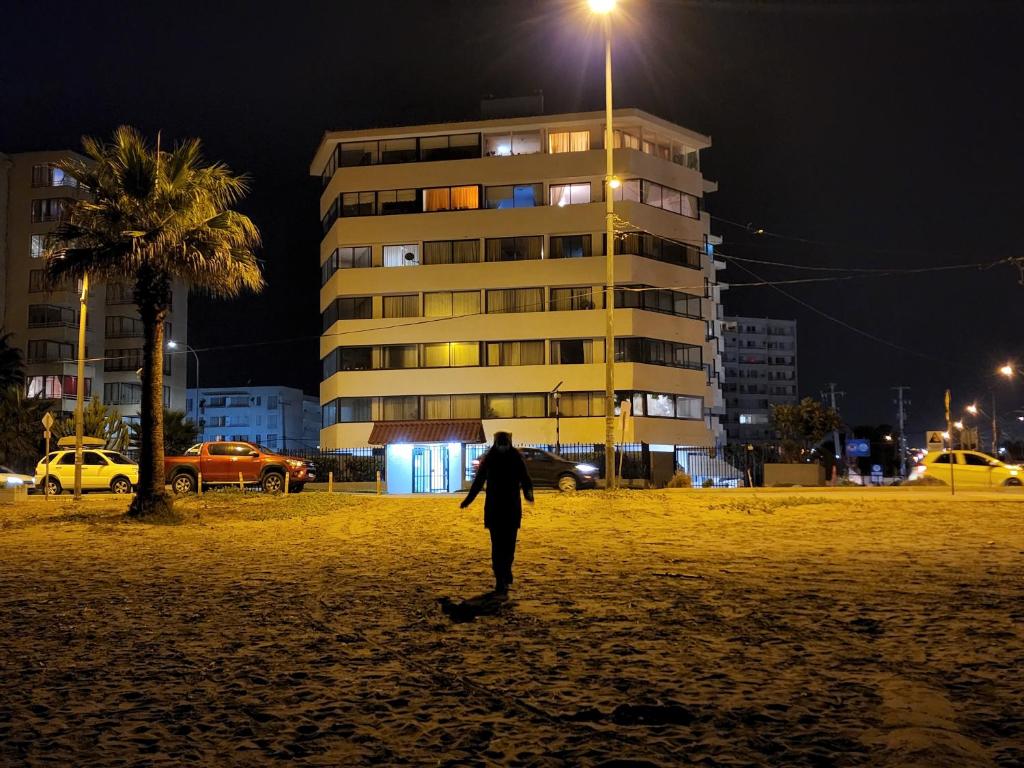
(855, 134)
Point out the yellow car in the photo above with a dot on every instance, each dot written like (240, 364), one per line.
(101, 470)
(971, 469)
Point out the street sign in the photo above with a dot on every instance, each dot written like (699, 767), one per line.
(858, 447)
(47, 421)
(934, 440)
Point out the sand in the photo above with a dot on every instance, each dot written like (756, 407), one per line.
(715, 628)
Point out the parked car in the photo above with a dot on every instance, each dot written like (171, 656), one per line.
(971, 469)
(102, 470)
(11, 479)
(222, 462)
(549, 470)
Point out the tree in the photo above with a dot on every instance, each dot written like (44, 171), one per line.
(21, 429)
(12, 372)
(180, 433)
(98, 420)
(803, 426)
(155, 217)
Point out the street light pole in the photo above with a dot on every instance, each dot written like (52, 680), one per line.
(174, 345)
(80, 388)
(609, 251)
(995, 428)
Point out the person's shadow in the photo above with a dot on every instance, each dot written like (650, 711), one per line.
(486, 604)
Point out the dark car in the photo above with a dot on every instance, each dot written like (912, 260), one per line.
(549, 470)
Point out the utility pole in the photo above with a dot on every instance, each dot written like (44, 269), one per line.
(835, 432)
(995, 428)
(901, 415)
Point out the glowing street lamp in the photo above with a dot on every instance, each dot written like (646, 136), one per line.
(1007, 371)
(603, 8)
(174, 345)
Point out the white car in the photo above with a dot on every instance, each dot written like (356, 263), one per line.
(11, 479)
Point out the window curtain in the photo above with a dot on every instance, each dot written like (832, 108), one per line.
(560, 194)
(579, 141)
(531, 353)
(439, 252)
(466, 252)
(401, 306)
(436, 199)
(465, 303)
(436, 355)
(463, 198)
(437, 304)
(531, 405)
(465, 353)
(465, 406)
(437, 407)
(500, 407)
(558, 142)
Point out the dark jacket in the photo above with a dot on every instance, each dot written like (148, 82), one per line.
(504, 471)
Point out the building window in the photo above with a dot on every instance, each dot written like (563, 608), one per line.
(398, 356)
(352, 257)
(516, 143)
(43, 351)
(50, 316)
(397, 201)
(123, 359)
(568, 141)
(515, 300)
(46, 175)
(753, 418)
(55, 387)
(402, 255)
(569, 194)
(451, 303)
(48, 209)
(451, 198)
(526, 248)
(652, 247)
(624, 140)
(572, 351)
(567, 299)
(515, 352)
(451, 252)
(659, 196)
(406, 305)
(658, 352)
(352, 308)
(451, 354)
(398, 151)
(658, 300)
(691, 407)
(580, 404)
(514, 196)
(570, 246)
(38, 246)
(458, 147)
(122, 393)
(118, 327)
(403, 408)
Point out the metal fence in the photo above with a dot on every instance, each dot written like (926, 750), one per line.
(350, 465)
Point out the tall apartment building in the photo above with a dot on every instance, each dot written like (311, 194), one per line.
(280, 418)
(760, 371)
(462, 284)
(44, 318)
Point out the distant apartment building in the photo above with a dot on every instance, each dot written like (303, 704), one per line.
(760, 361)
(43, 318)
(279, 418)
(462, 272)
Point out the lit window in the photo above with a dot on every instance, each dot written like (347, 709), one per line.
(569, 194)
(401, 255)
(38, 246)
(568, 141)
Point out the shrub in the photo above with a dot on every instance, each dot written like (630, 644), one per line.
(925, 480)
(680, 480)
(708, 483)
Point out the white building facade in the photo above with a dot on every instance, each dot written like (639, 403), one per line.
(279, 418)
(43, 318)
(760, 360)
(462, 271)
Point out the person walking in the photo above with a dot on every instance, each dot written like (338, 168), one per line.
(504, 471)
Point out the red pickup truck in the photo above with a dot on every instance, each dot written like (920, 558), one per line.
(221, 463)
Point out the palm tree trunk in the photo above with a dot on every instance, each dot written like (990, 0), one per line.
(152, 500)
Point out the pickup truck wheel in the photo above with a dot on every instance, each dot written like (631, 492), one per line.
(183, 483)
(121, 485)
(273, 482)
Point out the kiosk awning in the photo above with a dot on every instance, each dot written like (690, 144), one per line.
(441, 431)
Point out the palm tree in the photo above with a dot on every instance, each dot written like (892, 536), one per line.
(155, 217)
(12, 372)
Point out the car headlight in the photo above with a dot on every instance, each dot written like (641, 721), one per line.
(586, 468)
(15, 481)
(296, 464)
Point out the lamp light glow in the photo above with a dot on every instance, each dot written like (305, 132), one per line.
(615, 183)
(601, 6)
(1007, 370)
(972, 409)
